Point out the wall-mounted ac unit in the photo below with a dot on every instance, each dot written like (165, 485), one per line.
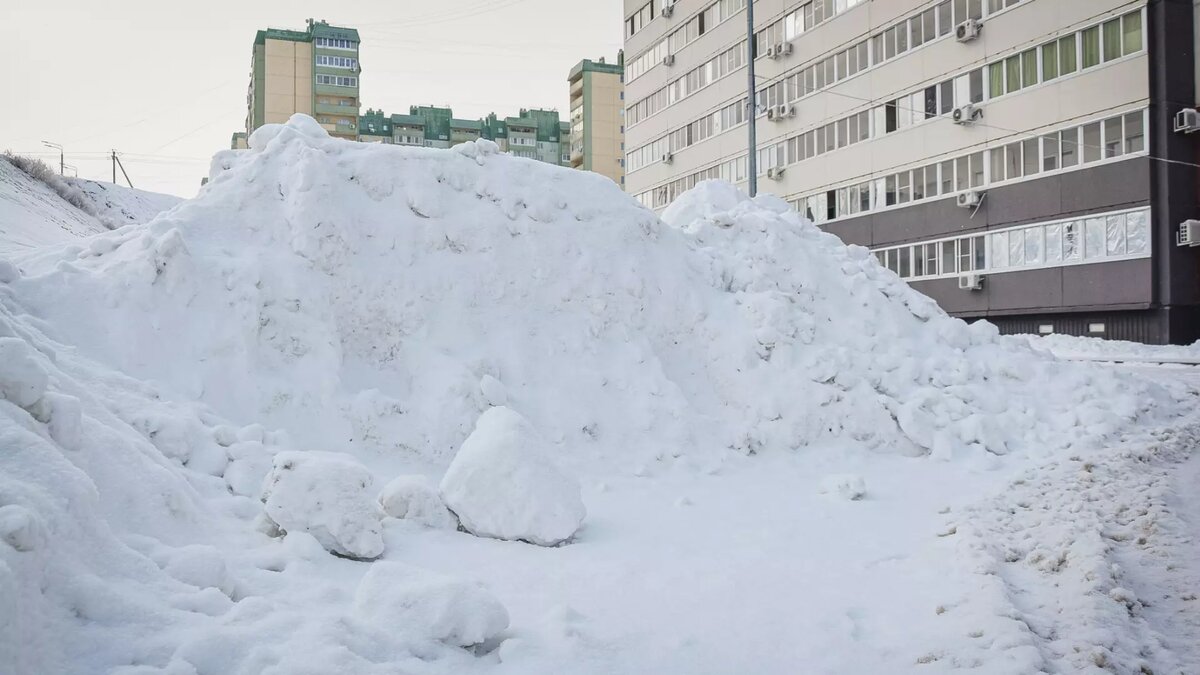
(967, 114)
(785, 110)
(968, 30)
(969, 199)
(971, 282)
(669, 60)
(772, 113)
(785, 49)
(775, 173)
(1189, 233)
(1187, 121)
(668, 158)
(668, 9)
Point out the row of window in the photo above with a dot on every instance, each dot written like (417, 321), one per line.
(804, 19)
(641, 18)
(886, 44)
(710, 125)
(710, 71)
(1055, 151)
(337, 61)
(1065, 242)
(337, 80)
(1085, 49)
(520, 140)
(336, 43)
(689, 32)
(934, 100)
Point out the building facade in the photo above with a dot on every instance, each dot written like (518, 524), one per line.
(315, 71)
(598, 117)
(1016, 160)
(533, 133)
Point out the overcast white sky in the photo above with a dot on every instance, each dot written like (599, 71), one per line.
(164, 81)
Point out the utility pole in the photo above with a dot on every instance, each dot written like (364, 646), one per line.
(61, 160)
(751, 109)
(116, 163)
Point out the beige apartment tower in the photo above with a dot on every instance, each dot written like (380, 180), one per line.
(598, 118)
(315, 71)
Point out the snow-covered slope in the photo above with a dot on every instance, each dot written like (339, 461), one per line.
(711, 381)
(33, 215)
(119, 205)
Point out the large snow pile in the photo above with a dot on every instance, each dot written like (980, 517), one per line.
(353, 293)
(375, 302)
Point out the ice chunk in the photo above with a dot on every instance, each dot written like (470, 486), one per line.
(21, 528)
(493, 392)
(397, 597)
(327, 495)
(22, 380)
(502, 484)
(416, 498)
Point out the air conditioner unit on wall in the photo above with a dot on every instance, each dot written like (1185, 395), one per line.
(1189, 233)
(785, 110)
(669, 60)
(772, 113)
(971, 282)
(969, 199)
(967, 114)
(668, 10)
(775, 173)
(1187, 121)
(785, 49)
(968, 30)
(668, 158)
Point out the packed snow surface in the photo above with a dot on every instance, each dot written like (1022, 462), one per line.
(197, 409)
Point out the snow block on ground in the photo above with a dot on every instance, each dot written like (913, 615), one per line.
(327, 495)
(397, 597)
(22, 380)
(502, 484)
(416, 498)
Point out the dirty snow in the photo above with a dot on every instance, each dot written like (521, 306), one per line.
(327, 317)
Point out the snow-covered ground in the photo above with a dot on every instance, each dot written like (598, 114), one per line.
(33, 215)
(228, 439)
(1070, 347)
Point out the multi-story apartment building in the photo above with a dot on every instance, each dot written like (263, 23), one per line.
(598, 117)
(315, 71)
(1016, 160)
(537, 134)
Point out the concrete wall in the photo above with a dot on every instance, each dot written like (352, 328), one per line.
(602, 121)
(288, 80)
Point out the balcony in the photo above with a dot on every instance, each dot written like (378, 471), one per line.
(342, 110)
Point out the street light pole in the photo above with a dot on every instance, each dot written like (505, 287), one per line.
(62, 163)
(751, 110)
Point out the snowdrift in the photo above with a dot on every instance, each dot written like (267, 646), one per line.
(376, 301)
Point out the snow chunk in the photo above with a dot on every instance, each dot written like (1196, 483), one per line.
(493, 392)
(22, 380)
(200, 566)
(66, 419)
(416, 498)
(21, 528)
(327, 495)
(845, 485)
(398, 597)
(502, 484)
(8, 272)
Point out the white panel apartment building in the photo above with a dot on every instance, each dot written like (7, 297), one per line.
(1052, 205)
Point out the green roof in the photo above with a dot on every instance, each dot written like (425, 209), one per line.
(474, 125)
(322, 29)
(410, 120)
(280, 34)
(597, 67)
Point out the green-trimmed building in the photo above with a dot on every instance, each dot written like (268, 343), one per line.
(534, 133)
(315, 71)
(597, 127)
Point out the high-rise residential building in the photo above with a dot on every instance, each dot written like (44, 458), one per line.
(1016, 160)
(537, 134)
(598, 117)
(315, 71)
